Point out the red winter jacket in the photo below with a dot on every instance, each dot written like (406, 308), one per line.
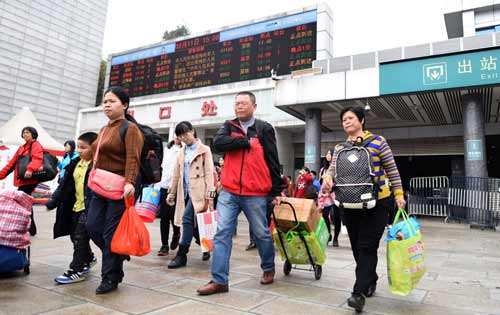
(251, 164)
(35, 164)
(302, 181)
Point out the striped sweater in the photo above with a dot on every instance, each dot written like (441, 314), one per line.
(383, 163)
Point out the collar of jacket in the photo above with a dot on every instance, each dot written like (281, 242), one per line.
(366, 135)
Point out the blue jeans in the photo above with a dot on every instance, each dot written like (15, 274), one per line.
(228, 207)
(187, 224)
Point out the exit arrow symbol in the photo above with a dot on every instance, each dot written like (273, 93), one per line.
(434, 75)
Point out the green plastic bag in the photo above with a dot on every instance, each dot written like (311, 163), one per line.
(296, 250)
(405, 260)
(322, 234)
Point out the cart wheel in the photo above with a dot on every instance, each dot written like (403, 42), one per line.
(27, 269)
(287, 267)
(317, 272)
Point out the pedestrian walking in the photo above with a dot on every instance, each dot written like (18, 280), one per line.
(167, 212)
(69, 155)
(365, 224)
(72, 201)
(251, 173)
(25, 182)
(121, 158)
(192, 188)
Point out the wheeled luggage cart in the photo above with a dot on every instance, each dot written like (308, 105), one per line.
(287, 266)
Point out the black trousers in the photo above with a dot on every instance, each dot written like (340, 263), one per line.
(82, 253)
(167, 214)
(28, 189)
(103, 217)
(365, 228)
(333, 212)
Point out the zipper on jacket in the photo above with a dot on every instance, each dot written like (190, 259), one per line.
(241, 171)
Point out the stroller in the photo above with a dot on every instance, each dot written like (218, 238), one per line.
(15, 219)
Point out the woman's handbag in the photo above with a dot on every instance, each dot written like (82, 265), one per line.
(47, 172)
(104, 183)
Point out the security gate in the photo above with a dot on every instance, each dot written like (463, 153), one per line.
(429, 196)
(475, 200)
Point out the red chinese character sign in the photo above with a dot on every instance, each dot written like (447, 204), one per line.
(208, 109)
(165, 112)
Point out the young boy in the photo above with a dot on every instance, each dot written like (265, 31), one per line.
(71, 200)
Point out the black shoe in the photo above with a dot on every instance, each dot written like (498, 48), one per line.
(163, 250)
(357, 302)
(205, 256)
(371, 290)
(175, 242)
(251, 246)
(335, 243)
(106, 286)
(180, 259)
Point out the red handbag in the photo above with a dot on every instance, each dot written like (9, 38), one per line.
(105, 183)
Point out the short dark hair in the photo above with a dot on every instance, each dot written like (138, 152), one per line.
(120, 92)
(183, 127)
(88, 137)
(314, 173)
(32, 130)
(305, 168)
(358, 111)
(250, 94)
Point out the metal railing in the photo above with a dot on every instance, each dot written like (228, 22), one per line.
(475, 200)
(428, 196)
(472, 200)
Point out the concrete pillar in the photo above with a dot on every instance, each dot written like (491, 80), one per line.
(474, 139)
(285, 150)
(200, 132)
(312, 149)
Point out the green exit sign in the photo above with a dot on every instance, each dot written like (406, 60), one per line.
(437, 73)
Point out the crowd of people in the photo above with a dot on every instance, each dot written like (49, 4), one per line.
(246, 179)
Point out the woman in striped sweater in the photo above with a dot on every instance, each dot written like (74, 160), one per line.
(365, 227)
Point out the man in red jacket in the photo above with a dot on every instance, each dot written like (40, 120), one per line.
(251, 173)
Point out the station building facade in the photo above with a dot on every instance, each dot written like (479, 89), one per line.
(450, 126)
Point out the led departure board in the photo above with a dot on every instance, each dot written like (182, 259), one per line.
(244, 53)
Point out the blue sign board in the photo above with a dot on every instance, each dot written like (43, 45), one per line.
(269, 26)
(437, 73)
(474, 150)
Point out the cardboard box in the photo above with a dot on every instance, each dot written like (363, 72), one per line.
(307, 214)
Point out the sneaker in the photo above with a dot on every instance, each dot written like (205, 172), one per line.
(163, 250)
(87, 267)
(70, 276)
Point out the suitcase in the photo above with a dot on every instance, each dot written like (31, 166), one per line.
(13, 259)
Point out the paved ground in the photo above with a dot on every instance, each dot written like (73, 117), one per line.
(463, 277)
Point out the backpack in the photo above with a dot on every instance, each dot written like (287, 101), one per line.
(151, 154)
(354, 177)
(311, 191)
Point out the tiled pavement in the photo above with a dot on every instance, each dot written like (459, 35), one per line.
(463, 278)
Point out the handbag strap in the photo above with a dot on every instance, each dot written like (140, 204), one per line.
(96, 154)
